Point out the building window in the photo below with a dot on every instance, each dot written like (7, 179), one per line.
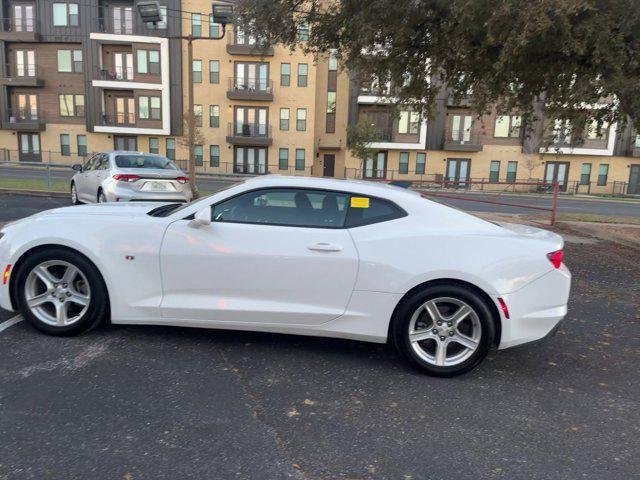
(494, 171)
(154, 145)
(284, 119)
(197, 71)
(71, 105)
(330, 126)
(585, 174)
(65, 15)
(171, 148)
(214, 155)
(162, 24)
(214, 116)
(301, 120)
(637, 144)
(154, 62)
(197, 113)
(303, 72)
(82, 145)
(562, 131)
(603, 173)
(507, 126)
(285, 74)
(214, 28)
(409, 123)
(70, 61)
(421, 163)
(300, 159)
(148, 61)
(65, 144)
(283, 159)
(597, 132)
(198, 155)
(333, 61)
(214, 71)
(512, 171)
(25, 63)
(196, 24)
(403, 166)
(149, 108)
(331, 102)
(303, 31)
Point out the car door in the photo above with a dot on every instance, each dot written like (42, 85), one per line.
(270, 256)
(83, 180)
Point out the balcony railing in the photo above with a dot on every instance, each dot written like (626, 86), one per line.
(23, 119)
(239, 133)
(250, 89)
(244, 44)
(118, 120)
(124, 74)
(465, 140)
(25, 29)
(25, 75)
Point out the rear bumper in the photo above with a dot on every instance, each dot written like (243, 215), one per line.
(536, 309)
(119, 194)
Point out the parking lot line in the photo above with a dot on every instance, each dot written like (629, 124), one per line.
(10, 322)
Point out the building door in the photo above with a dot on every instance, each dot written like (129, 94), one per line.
(23, 20)
(376, 166)
(122, 142)
(329, 165)
(557, 172)
(634, 180)
(122, 17)
(26, 107)
(458, 171)
(125, 111)
(29, 144)
(25, 65)
(123, 65)
(250, 160)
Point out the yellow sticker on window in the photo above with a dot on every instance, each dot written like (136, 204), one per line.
(359, 202)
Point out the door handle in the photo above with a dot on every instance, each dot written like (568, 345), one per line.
(325, 247)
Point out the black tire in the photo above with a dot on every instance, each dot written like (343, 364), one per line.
(97, 308)
(101, 198)
(74, 201)
(401, 321)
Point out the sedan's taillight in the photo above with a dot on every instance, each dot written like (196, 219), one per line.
(556, 258)
(182, 179)
(121, 177)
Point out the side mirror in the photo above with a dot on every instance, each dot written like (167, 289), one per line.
(77, 167)
(202, 218)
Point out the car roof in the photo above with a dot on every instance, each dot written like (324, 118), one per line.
(131, 152)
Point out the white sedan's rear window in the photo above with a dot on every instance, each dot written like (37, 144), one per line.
(144, 161)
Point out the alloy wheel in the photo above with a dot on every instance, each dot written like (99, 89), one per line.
(444, 331)
(57, 293)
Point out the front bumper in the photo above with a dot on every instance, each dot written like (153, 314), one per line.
(536, 309)
(5, 301)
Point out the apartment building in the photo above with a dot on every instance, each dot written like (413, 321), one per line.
(88, 75)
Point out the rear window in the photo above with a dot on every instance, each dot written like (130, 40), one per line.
(144, 161)
(368, 210)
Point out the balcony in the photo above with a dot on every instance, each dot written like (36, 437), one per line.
(242, 44)
(23, 121)
(249, 134)
(462, 141)
(118, 120)
(21, 76)
(122, 74)
(260, 89)
(19, 30)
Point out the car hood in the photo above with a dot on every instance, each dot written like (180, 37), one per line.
(555, 241)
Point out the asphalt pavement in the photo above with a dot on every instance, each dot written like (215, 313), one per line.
(135, 402)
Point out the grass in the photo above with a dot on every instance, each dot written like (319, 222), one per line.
(34, 184)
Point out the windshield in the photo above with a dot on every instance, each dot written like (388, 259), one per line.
(144, 161)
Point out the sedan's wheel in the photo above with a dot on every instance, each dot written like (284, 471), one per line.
(444, 330)
(61, 292)
(74, 195)
(102, 198)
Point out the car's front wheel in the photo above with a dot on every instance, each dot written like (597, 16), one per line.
(60, 292)
(443, 329)
(74, 194)
(102, 198)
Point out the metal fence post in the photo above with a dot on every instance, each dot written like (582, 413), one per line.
(48, 177)
(554, 207)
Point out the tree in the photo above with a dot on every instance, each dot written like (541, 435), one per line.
(184, 140)
(359, 138)
(577, 53)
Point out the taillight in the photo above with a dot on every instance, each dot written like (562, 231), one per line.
(556, 258)
(121, 177)
(182, 179)
(5, 276)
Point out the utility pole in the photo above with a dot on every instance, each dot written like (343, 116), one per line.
(222, 14)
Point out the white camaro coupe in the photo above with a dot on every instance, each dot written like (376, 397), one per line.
(305, 256)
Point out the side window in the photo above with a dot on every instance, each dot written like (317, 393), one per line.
(285, 206)
(91, 163)
(104, 163)
(365, 210)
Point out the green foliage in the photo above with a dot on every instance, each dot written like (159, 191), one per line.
(514, 53)
(359, 136)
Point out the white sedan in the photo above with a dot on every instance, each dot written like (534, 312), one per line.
(306, 256)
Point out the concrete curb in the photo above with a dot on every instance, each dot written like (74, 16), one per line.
(37, 193)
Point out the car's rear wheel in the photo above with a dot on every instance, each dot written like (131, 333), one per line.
(74, 194)
(443, 329)
(60, 292)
